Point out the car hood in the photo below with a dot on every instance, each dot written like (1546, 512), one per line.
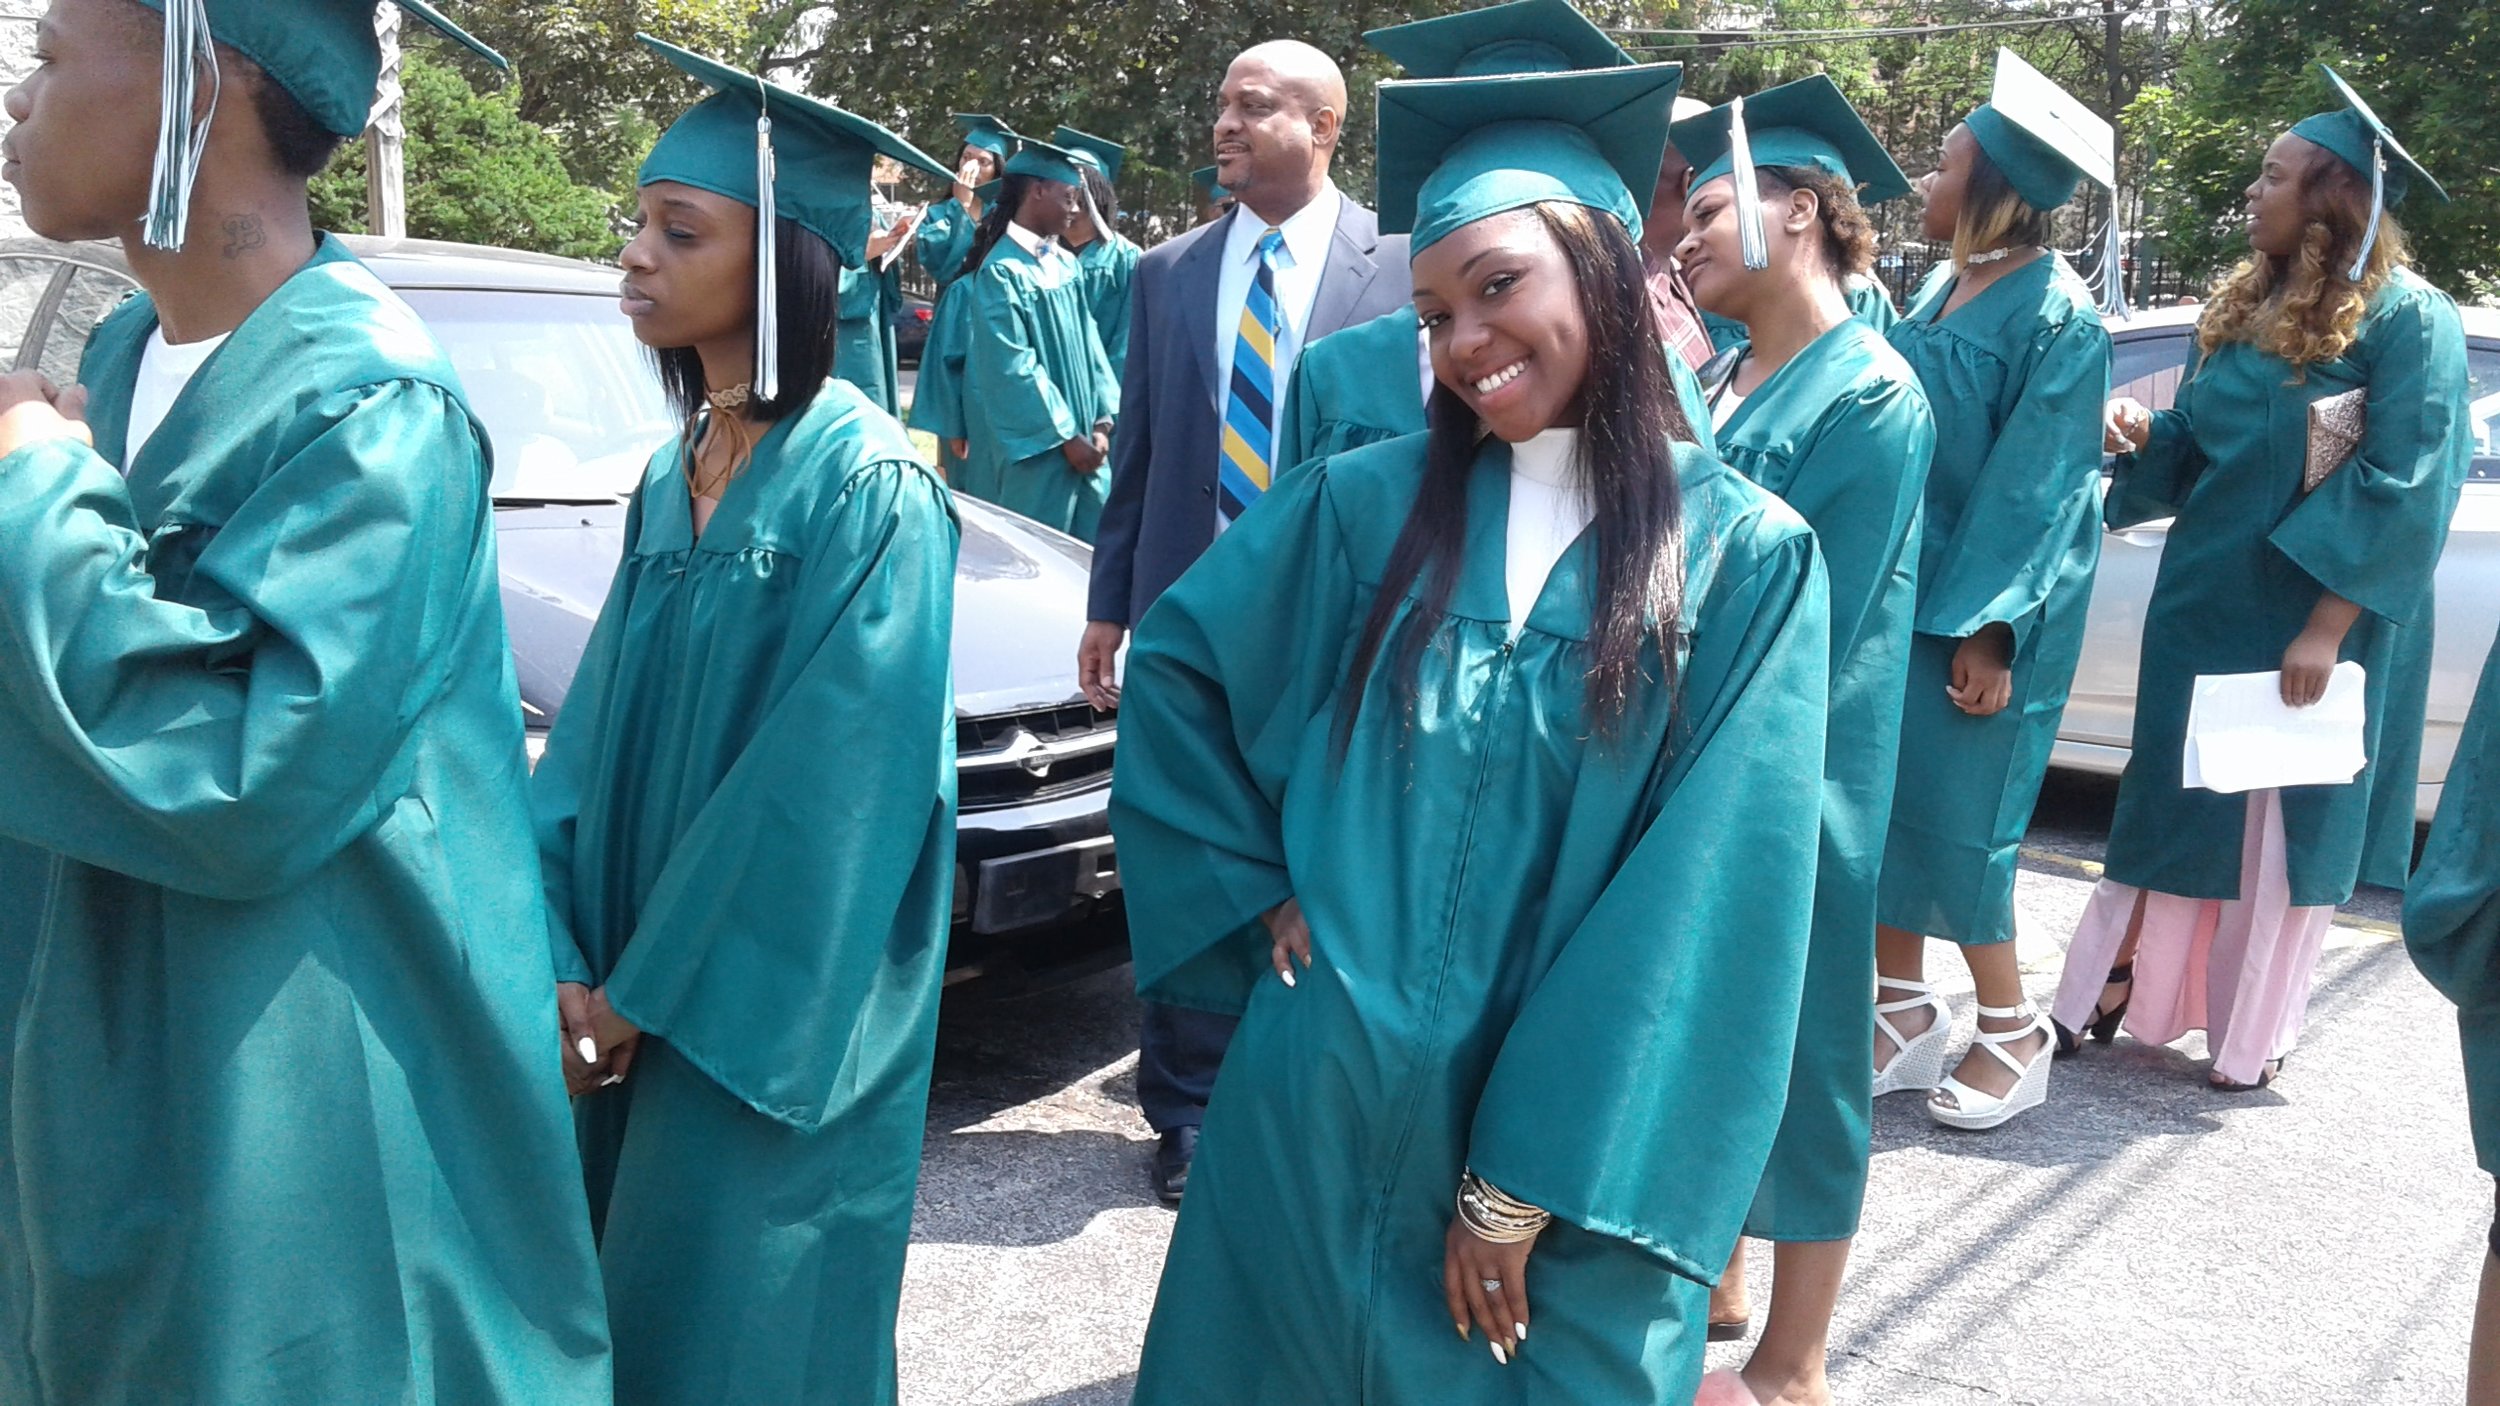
(1020, 603)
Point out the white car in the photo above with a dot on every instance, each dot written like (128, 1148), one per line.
(2149, 357)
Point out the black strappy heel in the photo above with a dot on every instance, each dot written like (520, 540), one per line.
(2104, 1023)
(2267, 1073)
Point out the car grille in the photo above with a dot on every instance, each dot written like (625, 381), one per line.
(1012, 759)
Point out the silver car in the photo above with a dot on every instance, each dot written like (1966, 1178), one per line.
(2149, 357)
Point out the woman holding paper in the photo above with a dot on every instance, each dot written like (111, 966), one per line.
(2312, 462)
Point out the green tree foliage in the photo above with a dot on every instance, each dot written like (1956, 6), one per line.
(2422, 66)
(583, 78)
(476, 172)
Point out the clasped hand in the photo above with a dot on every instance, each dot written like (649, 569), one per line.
(592, 1025)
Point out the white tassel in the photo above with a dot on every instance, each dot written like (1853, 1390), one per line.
(1751, 238)
(180, 141)
(2114, 302)
(2378, 208)
(767, 264)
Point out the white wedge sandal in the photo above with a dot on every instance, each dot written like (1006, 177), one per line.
(1973, 1111)
(1916, 1063)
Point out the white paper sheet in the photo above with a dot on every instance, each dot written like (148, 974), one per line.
(2241, 736)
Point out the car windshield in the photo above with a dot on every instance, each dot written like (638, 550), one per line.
(566, 393)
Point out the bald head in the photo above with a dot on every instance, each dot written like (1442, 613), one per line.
(1294, 67)
(1281, 116)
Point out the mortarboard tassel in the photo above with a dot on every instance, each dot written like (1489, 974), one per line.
(1750, 236)
(180, 141)
(767, 260)
(2378, 208)
(2113, 266)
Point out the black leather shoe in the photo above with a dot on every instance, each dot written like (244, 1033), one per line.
(1172, 1158)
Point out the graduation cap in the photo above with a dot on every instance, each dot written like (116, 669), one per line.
(1044, 161)
(1210, 190)
(2355, 134)
(324, 53)
(784, 153)
(2042, 137)
(1101, 153)
(987, 133)
(1457, 150)
(1805, 123)
(1524, 36)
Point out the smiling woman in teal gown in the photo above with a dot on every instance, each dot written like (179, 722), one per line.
(1473, 719)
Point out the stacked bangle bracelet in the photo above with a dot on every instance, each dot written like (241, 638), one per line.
(1497, 1218)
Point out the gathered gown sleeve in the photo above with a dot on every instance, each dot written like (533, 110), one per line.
(1218, 701)
(816, 865)
(232, 750)
(2373, 531)
(942, 241)
(2038, 485)
(2154, 482)
(556, 786)
(1639, 1090)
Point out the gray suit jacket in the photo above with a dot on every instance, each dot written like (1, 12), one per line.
(1161, 514)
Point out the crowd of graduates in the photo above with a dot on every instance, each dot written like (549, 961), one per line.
(1575, 642)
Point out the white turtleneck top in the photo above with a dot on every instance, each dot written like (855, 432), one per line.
(1549, 508)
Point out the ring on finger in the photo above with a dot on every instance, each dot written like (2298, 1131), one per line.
(1492, 1286)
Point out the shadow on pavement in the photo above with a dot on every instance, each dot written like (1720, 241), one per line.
(997, 1053)
(1110, 1393)
(1017, 1190)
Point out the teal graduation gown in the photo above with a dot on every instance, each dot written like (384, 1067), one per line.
(864, 346)
(1868, 302)
(1109, 264)
(2017, 379)
(1035, 377)
(1843, 433)
(2245, 563)
(1531, 954)
(747, 820)
(1363, 384)
(283, 1121)
(942, 243)
(2452, 909)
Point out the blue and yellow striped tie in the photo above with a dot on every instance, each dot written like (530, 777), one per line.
(1250, 406)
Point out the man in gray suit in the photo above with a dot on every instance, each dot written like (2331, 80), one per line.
(1216, 319)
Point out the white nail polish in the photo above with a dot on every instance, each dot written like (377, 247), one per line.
(588, 1049)
(1500, 1356)
(612, 1081)
(1287, 974)
(1521, 1329)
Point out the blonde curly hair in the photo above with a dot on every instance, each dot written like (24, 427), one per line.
(2305, 308)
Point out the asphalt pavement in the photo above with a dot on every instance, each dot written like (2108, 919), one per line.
(2140, 1240)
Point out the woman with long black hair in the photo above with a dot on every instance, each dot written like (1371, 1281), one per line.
(1431, 770)
(746, 811)
(2312, 460)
